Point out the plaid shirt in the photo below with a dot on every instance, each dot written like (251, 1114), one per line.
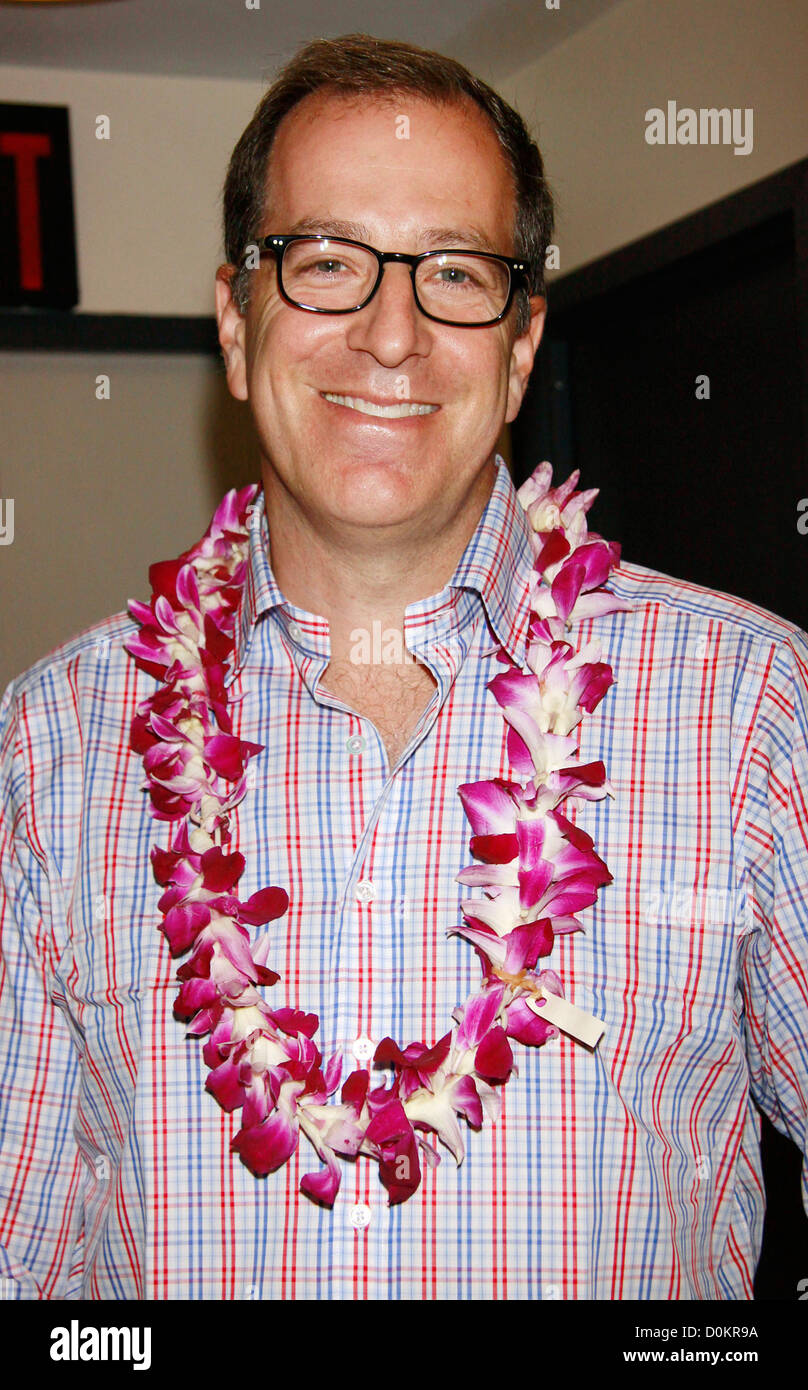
(631, 1171)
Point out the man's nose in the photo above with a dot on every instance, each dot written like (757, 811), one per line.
(391, 326)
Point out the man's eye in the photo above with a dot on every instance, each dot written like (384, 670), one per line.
(324, 267)
(451, 275)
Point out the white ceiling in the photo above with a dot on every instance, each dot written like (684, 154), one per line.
(223, 38)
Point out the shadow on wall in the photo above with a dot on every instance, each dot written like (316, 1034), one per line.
(232, 454)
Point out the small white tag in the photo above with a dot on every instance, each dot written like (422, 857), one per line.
(569, 1018)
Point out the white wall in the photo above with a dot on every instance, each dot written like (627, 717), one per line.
(102, 488)
(148, 200)
(586, 100)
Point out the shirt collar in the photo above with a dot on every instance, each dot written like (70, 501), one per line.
(496, 565)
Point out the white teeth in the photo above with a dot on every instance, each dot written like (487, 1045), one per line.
(387, 412)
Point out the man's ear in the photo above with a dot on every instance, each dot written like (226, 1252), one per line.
(523, 352)
(232, 327)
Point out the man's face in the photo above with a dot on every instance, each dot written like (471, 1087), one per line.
(336, 160)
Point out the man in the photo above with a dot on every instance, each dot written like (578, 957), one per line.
(630, 1169)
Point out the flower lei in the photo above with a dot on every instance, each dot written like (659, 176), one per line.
(537, 869)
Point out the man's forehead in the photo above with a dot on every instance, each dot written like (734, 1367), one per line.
(374, 119)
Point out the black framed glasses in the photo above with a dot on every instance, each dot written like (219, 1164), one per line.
(332, 275)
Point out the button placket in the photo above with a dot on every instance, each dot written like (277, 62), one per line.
(363, 1049)
(359, 1216)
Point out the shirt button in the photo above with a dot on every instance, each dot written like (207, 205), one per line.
(359, 1216)
(363, 1049)
(356, 743)
(295, 632)
(99, 907)
(365, 891)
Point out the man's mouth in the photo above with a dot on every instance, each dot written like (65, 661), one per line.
(400, 410)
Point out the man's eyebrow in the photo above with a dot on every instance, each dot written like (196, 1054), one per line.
(457, 237)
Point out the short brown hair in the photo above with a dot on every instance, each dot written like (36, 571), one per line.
(355, 65)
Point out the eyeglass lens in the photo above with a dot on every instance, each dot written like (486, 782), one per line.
(324, 273)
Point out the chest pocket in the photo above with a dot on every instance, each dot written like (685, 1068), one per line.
(673, 970)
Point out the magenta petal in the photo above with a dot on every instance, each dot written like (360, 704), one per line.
(228, 754)
(195, 994)
(571, 898)
(232, 508)
(466, 1101)
(493, 1059)
(205, 1020)
(533, 884)
(494, 849)
(487, 875)
(590, 683)
(223, 1083)
(478, 1016)
(165, 730)
(234, 943)
(221, 871)
(257, 1102)
(333, 1071)
(555, 547)
(567, 586)
(182, 924)
(187, 588)
(565, 491)
(489, 806)
(323, 1186)
(267, 1146)
(164, 864)
(164, 614)
(584, 775)
(392, 1135)
(355, 1089)
(519, 753)
(515, 688)
(526, 943)
(144, 646)
(264, 906)
(295, 1021)
(596, 558)
(596, 605)
(524, 1026)
(141, 612)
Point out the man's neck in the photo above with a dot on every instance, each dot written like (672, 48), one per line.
(353, 576)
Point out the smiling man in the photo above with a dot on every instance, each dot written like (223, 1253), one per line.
(378, 428)
(395, 1081)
